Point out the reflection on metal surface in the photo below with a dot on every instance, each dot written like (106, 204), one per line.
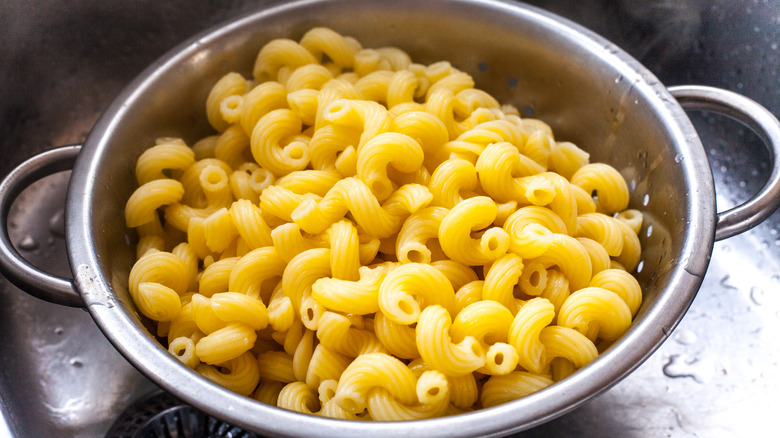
(715, 377)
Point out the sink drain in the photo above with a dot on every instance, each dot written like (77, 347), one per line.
(161, 415)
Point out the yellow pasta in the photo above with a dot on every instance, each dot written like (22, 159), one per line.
(225, 344)
(388, 148)
(143, 204)
(172, 154)
(524, 333)
(456, 228)
(399, 339)
(229, 85)
(606, 182)
(366, 238)
(439, 351)
(359, 297)
(595, 312)
(453, 180)
(354, 196)
(417, 230)
(216, 277)
(336, 332)
(274, 143)
(183, 348)
(501, 389)
(156, 282)
(235, 307)
(241, 374)
(433, 393)
(501, 279)
(232, 146)
(621, 283)
(370, 371)
(409, 288)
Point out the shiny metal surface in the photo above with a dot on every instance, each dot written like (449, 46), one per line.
(718, 101)
(714, 378)
(23, 274)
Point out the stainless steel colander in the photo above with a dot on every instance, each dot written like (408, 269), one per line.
(587, 89)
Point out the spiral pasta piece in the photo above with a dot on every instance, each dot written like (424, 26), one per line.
(397, 150)
(524, 333)
(353, 196)
(606, 182)
(417, 230)
(595, 310)
(142, 206)
(501, 389)
(168, 155)
(466, 217)
(437, 349)
(240, 374)
(370, 371)
(409, 288)
(274, 143)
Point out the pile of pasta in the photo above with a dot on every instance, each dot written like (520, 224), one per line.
(365, 237)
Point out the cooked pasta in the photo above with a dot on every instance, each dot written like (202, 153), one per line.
(367, 238)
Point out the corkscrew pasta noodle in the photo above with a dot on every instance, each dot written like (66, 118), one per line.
(367, 238)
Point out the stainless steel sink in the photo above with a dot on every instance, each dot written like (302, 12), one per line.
(63, 62)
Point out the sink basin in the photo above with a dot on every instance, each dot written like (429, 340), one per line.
(62, 63)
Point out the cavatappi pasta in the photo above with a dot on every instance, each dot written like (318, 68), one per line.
(368, 238)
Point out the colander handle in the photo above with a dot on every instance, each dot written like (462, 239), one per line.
(14, 267)
(744, 110)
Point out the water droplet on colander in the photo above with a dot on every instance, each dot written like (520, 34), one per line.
(28, 243)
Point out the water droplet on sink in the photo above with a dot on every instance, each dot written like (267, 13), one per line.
(757, 295)
(59, 331)
(678, 158)
(681, 366)
(28, 243)
(685, 337)
(724, 282)
(76, 362)
(57, 223)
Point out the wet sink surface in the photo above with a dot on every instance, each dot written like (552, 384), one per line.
(63, 62)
